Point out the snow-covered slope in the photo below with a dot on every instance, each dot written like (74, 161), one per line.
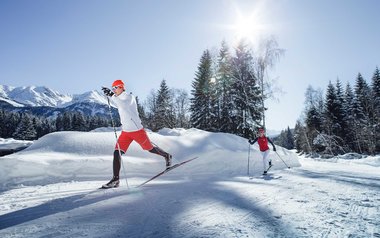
(68, 155)
(50, 191)
(11, 102)
(4, 90)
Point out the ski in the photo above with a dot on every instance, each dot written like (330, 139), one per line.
(105, 187)
(264, 174)
(166, 170)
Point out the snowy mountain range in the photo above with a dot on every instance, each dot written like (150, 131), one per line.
(47, 102)
(43, 96)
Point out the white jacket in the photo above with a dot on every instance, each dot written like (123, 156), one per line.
(129, 116)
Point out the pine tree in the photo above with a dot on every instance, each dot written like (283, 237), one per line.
(342, 128)
(141, 111)
(163, 116)
(246, 94)
(331, 125)
(46, 127)
(38, 125)
(223, 77)
(350, 137)
(59, 123)
(362, 93)
(67, 121)
(10, 122)
(78, 122)
(333, 139)
(376, 87)
(376, 106)
(285, 139)
(25, 129)
(289, 139)
(200, 102)
(363, 115)
(2, 125)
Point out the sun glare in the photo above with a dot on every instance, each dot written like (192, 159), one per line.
(249, 26)
(245, 28)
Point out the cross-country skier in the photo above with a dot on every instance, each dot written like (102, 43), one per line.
(264, 148)
(132, 129)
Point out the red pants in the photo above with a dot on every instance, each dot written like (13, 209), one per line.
(126, 138)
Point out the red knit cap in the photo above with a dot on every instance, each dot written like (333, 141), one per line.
(118, 83)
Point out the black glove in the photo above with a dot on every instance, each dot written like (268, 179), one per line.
(250, 141)
(107, 92)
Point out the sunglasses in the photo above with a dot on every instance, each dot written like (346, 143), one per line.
(115, 87)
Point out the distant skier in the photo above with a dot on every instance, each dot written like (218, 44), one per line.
(132, 129)
(264, 148)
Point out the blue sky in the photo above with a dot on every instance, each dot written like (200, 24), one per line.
(74, 46)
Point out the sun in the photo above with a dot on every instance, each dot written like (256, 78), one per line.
(244, 28)
(249, 26)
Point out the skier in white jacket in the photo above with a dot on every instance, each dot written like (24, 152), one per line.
(132, 129)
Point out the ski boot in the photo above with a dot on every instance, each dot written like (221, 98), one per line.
(113, 183)
(168, 159)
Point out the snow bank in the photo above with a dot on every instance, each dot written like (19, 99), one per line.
(10, 146)
(66, 156)
(351, 158)
(13, 144)
(172, 132)
(369, 160)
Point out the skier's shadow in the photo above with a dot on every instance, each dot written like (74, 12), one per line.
(50, 208)
(152, 224)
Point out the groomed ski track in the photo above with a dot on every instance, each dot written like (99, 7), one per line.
(334, 200)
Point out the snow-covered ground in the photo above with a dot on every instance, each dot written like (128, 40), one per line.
(49, 190)
(10, 145)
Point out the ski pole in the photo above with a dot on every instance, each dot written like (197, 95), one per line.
(249, 152)
(282, 159)
(117, 142)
